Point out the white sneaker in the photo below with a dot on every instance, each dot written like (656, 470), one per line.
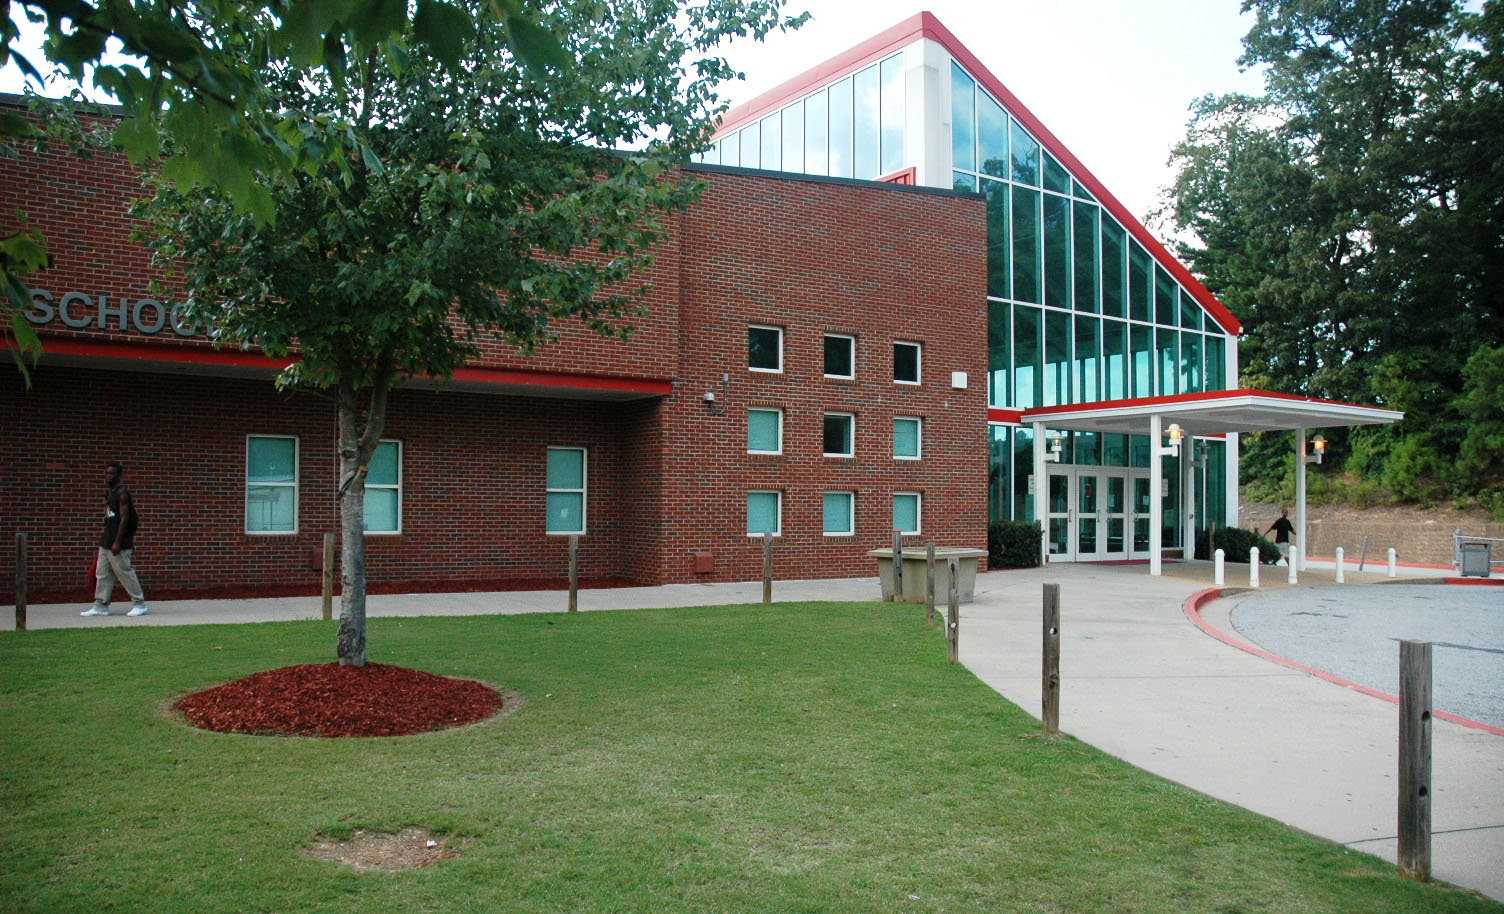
(95, 611)
(138, 610)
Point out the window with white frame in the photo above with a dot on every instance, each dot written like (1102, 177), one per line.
(271, 484)
(764, 431)
(566, 490)
(840, 513)
(765, 348)
(908, 434)
(906, 363)
(764, 512)
(383, 511)
(839, 434)
(906, 507)
(840, 356)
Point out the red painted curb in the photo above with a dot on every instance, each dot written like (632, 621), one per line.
(1192, 610)
(1486, 582)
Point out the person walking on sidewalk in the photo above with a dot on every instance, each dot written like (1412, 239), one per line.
(1282, 529)
(116, 544)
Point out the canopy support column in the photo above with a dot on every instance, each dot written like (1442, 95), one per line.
(1300, 497)
(1041, 493)
(1156, 506)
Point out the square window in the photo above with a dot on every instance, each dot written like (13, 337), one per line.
(765, 431)
(906, 512)
(906, 363)
(383, 511)
(839, 516)
(906, 438)
(565, 491)
(840, 356)
(838, 434)
(271, 484)
(765, 348)
(764, 512)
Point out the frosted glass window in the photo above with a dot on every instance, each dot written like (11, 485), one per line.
(962, 127)
(565, 493)
(793, 137)
(906, 512)
(839, 516)
(764, 431)
(383, 501)
(906, 438)
(867, 98)
(840, 129)
(764, 510)
(271, 484)
(893, 113)
(772, 143)
(817, 134)
(1025, 156)
(992, 136)
(751, 147)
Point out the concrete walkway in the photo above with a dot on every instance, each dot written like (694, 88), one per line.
(1139, 681)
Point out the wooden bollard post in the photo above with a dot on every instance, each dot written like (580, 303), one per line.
(574, 573)
(767, 568)
(953, 615)
(1414, 852)
(1049, 683)
(929, 585)
(328, 604)
(20, 582)
(897, 567)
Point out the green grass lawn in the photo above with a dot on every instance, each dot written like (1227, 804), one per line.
(812, 757)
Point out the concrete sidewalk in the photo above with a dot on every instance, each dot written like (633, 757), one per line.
(1139, 681)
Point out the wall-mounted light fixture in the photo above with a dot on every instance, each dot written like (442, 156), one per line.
(714, 405)
(1174, 433)
(1318, 445)
(1057, 447)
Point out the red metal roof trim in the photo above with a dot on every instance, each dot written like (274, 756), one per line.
(1203, 396)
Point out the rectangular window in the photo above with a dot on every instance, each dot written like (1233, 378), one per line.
(1190, 362)
(764, 512)
(840, 518)
(1166, 305)
(960, 180)
(817, 134)
(867, 92)
(1057, 358)
(1143, 360)
(383, 512)
(793, 137)
(893, 108)
(1088, 366)
(1025, 156)
(751, 147)
(962, 123)
(906, 513)
(1168, 344)
(271, 484)
(764, 431)
(1057, 251)
(731, 150)
(1114, 360)
(1026, 245)
(1190, 312)
(1114, 264)
(1216, 362)
(772, 143)
(997, 237)
(840, 356)
(840, 129)
(1028, 357)
(906, 363)
(907, 438)
(839, 434)
(999, 352)
(1140, 283)
(764, 348)
(992, 137)
(1086, 238)
(565, 490)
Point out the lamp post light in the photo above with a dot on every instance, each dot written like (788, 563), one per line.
(1318, 445)
(1057, 447)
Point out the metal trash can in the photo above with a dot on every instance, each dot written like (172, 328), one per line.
(1475, 559)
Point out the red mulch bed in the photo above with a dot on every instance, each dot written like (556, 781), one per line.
(326, 699)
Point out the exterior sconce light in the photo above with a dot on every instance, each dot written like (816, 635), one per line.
(1174, 433)
(709, 397)
(1057, 446)
(1318, 444)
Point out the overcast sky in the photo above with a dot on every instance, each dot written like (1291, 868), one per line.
(1111, 79)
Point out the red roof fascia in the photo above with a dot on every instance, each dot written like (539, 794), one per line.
(925, 25)
(646, 387)
(1038, 411)
(1010, 416)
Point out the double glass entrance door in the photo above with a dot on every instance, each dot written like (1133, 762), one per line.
(1098, 513)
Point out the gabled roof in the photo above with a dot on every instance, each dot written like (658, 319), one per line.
(925, 25)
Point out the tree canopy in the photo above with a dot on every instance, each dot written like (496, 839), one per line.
(1352, 217)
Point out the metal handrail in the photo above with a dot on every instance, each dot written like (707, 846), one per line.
(1458, 537)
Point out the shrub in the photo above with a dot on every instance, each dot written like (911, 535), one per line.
(1235, 543)
(1013, 544)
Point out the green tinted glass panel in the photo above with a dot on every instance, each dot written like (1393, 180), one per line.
(1165, 299)
(772, 143)
(992, 136)
(963, 139)
(751, 147)
(906, 513)
(1088, 362)
(837, 435)
(817, 134)
(566, 468)
(838, 512)
(999, 505)
(1081, 192)
(1214, 508)
(566, 512)
(762, 513)
(1138, 454)
(764, 348)
(905, 437)
(383, 465)
(1190, 312)
(1167, 344)
(1114, 268)
(1025, 156)
(997, 237)
(1143, 361)
(1114, 360)
(1216, 362)
(1057, 251)
(840, 129)
(1088, 452)
(1140, 283)
(1055, 176)
(1085, 217)
(1057, 358)
(999, 352)
(1026, 244)
(867, 134)
(271, 459)
(764, 430)
(271, 509)
(1023, 463)
(960, 180)
(1190, 362)
(381, 511)
(793, 137)
(892, 113)
(1115, 451)
(1028, 357)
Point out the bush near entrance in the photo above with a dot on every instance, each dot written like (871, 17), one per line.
(1235, 542)
(1013, 544)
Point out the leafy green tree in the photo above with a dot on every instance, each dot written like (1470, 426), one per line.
(476, 200)
(1352, 216)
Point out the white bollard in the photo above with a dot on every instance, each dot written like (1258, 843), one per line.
(1391, 563)
(1292, 561)
(1253, 566)
(1220, 577)
(1339, 565)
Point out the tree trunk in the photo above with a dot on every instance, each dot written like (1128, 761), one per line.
(351, 646)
